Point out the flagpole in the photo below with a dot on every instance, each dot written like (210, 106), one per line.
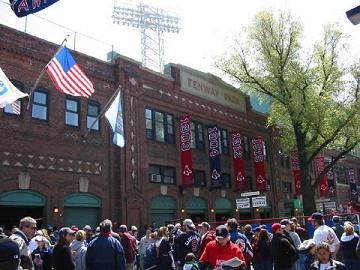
(43, 72)
(102, 112)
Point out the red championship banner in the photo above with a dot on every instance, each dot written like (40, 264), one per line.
(185, 151)
(259, 157)
(319, 167)
(296, 171)
(239, 162)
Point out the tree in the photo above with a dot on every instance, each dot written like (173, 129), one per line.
(314, 93)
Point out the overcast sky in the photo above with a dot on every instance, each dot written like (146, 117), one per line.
(208, 27)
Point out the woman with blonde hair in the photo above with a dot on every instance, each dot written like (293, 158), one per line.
(166, 259)
(78, 249)
(348, 243)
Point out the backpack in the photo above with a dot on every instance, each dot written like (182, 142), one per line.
(151, 257)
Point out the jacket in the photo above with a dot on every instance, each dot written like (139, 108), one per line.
(243, 242)
(23, 242)
(338, 229)
(62, 258)
(205, 239)
(45, 256)
(338, 265)
(80, 253)
(105, 253)
(348, 245)
(165, 259)
(185, 243)
(284, 254)
(128, 243)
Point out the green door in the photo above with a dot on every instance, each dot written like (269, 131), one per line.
(163, 209)
(81, 216)
(162, 219)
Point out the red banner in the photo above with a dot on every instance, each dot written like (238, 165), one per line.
(239, 162)
(259, 158)
(185, 150)
(319, 167)
(296, 171)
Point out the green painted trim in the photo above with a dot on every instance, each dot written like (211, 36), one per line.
(222, 204)
(23, 198)
(196, 205)
(82, 199)
(163, 204)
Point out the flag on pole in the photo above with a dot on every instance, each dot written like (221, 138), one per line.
(115, 117)
(8, 92)
(67, 75)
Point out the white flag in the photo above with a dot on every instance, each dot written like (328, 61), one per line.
(8, 92)
(114, 116)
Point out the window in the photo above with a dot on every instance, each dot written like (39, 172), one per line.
(14, 108)
(247, 147)
(287, 187)
(226, 180)
(71, 112)
(92, 112)
(199, 178)
(340, 175)
(197, 135)
(162, 174)
(159, 126)
(40, 105)
(224, 139)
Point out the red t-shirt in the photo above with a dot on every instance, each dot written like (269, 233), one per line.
(214, 254)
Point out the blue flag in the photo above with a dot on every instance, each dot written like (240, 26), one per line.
(114, 116)
(214, 156)
(25, 7)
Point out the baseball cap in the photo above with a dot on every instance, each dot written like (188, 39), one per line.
(123, 228)
(204, 224)
(188, 222)
(257, 229)
(9, 250)
(221, 231)
(74, 228)
(336, 218)
(87, 228)
(316, 216)
(286, 222)
(66, 230)
(39, 238)
(275, 227)
(133, 228)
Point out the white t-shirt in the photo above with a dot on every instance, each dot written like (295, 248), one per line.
(326, 234)
(324, 266)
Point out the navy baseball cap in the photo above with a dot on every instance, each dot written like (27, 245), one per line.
(9, 250)
(316, 216)
(222, 231)
(66, 230)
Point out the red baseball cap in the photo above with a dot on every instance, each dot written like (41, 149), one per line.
(275, 227)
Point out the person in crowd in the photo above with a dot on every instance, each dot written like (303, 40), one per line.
(32, 243)
(145, 242)
(219, 250)
(293, 237)
(78, 248)
(241, 240)
(89, 233)
(206, 236)
(105, 252)
(164, 250)
(324, 233)
(9, 254)
(2, 234)
(176, 231)
(284, 254)
(249, 233)
(128, 243)
(42, 255)
(47, 237)
(186, 242)
(134, 232)
(307, 254)
(190, 262)
(51, 233)
(348, 243)
(62, 257)
(338, 228)
(22, 236)
(151, 254)
(263, 245)
(303, 233)
(324, 260)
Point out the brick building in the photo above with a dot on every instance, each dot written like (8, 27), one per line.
(50, 172)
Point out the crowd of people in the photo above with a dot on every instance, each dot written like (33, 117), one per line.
(183, 246)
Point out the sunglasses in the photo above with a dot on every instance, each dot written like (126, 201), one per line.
(31, 227)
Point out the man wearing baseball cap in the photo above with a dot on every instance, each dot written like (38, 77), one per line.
(324, 233)
(9, 254)
(283, 252)
(220, 250)
(206, 236)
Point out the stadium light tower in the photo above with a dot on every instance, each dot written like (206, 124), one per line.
(153, 23)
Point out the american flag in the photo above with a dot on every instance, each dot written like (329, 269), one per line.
(67, 75)
(16, 107)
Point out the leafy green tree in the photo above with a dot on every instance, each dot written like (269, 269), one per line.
(314, 92)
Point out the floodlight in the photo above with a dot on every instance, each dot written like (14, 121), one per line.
(354, 15)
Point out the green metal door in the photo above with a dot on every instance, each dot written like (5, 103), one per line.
(81, 216)
(163, 209)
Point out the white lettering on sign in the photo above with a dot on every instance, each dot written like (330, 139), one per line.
(185, 135)
(236, 144)
(259, 201)
(243, 203)
(214, 141)
(258, 149)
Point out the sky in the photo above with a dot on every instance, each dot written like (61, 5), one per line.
(208, 27)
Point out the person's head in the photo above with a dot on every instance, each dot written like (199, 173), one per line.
(247, 228)
(317, 219)
(123, 229)
(163, 232)
(349, 229)
(148, 230)
(323, 252)
(204, 227)
(28, 226)
(188, 225)
(222, 235)
(336, 219)
(40, 240)
(295, 221)
(9, 255)
(105, 226)
(154, 236)
(134, 230)
(264, 235)
(276, 228)
(45, 233)
(66, 236)
(87, 229)
(232, 224)
(190, 257)
(170, 227)
(13, 229)
(287, 224)
(80, 235)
